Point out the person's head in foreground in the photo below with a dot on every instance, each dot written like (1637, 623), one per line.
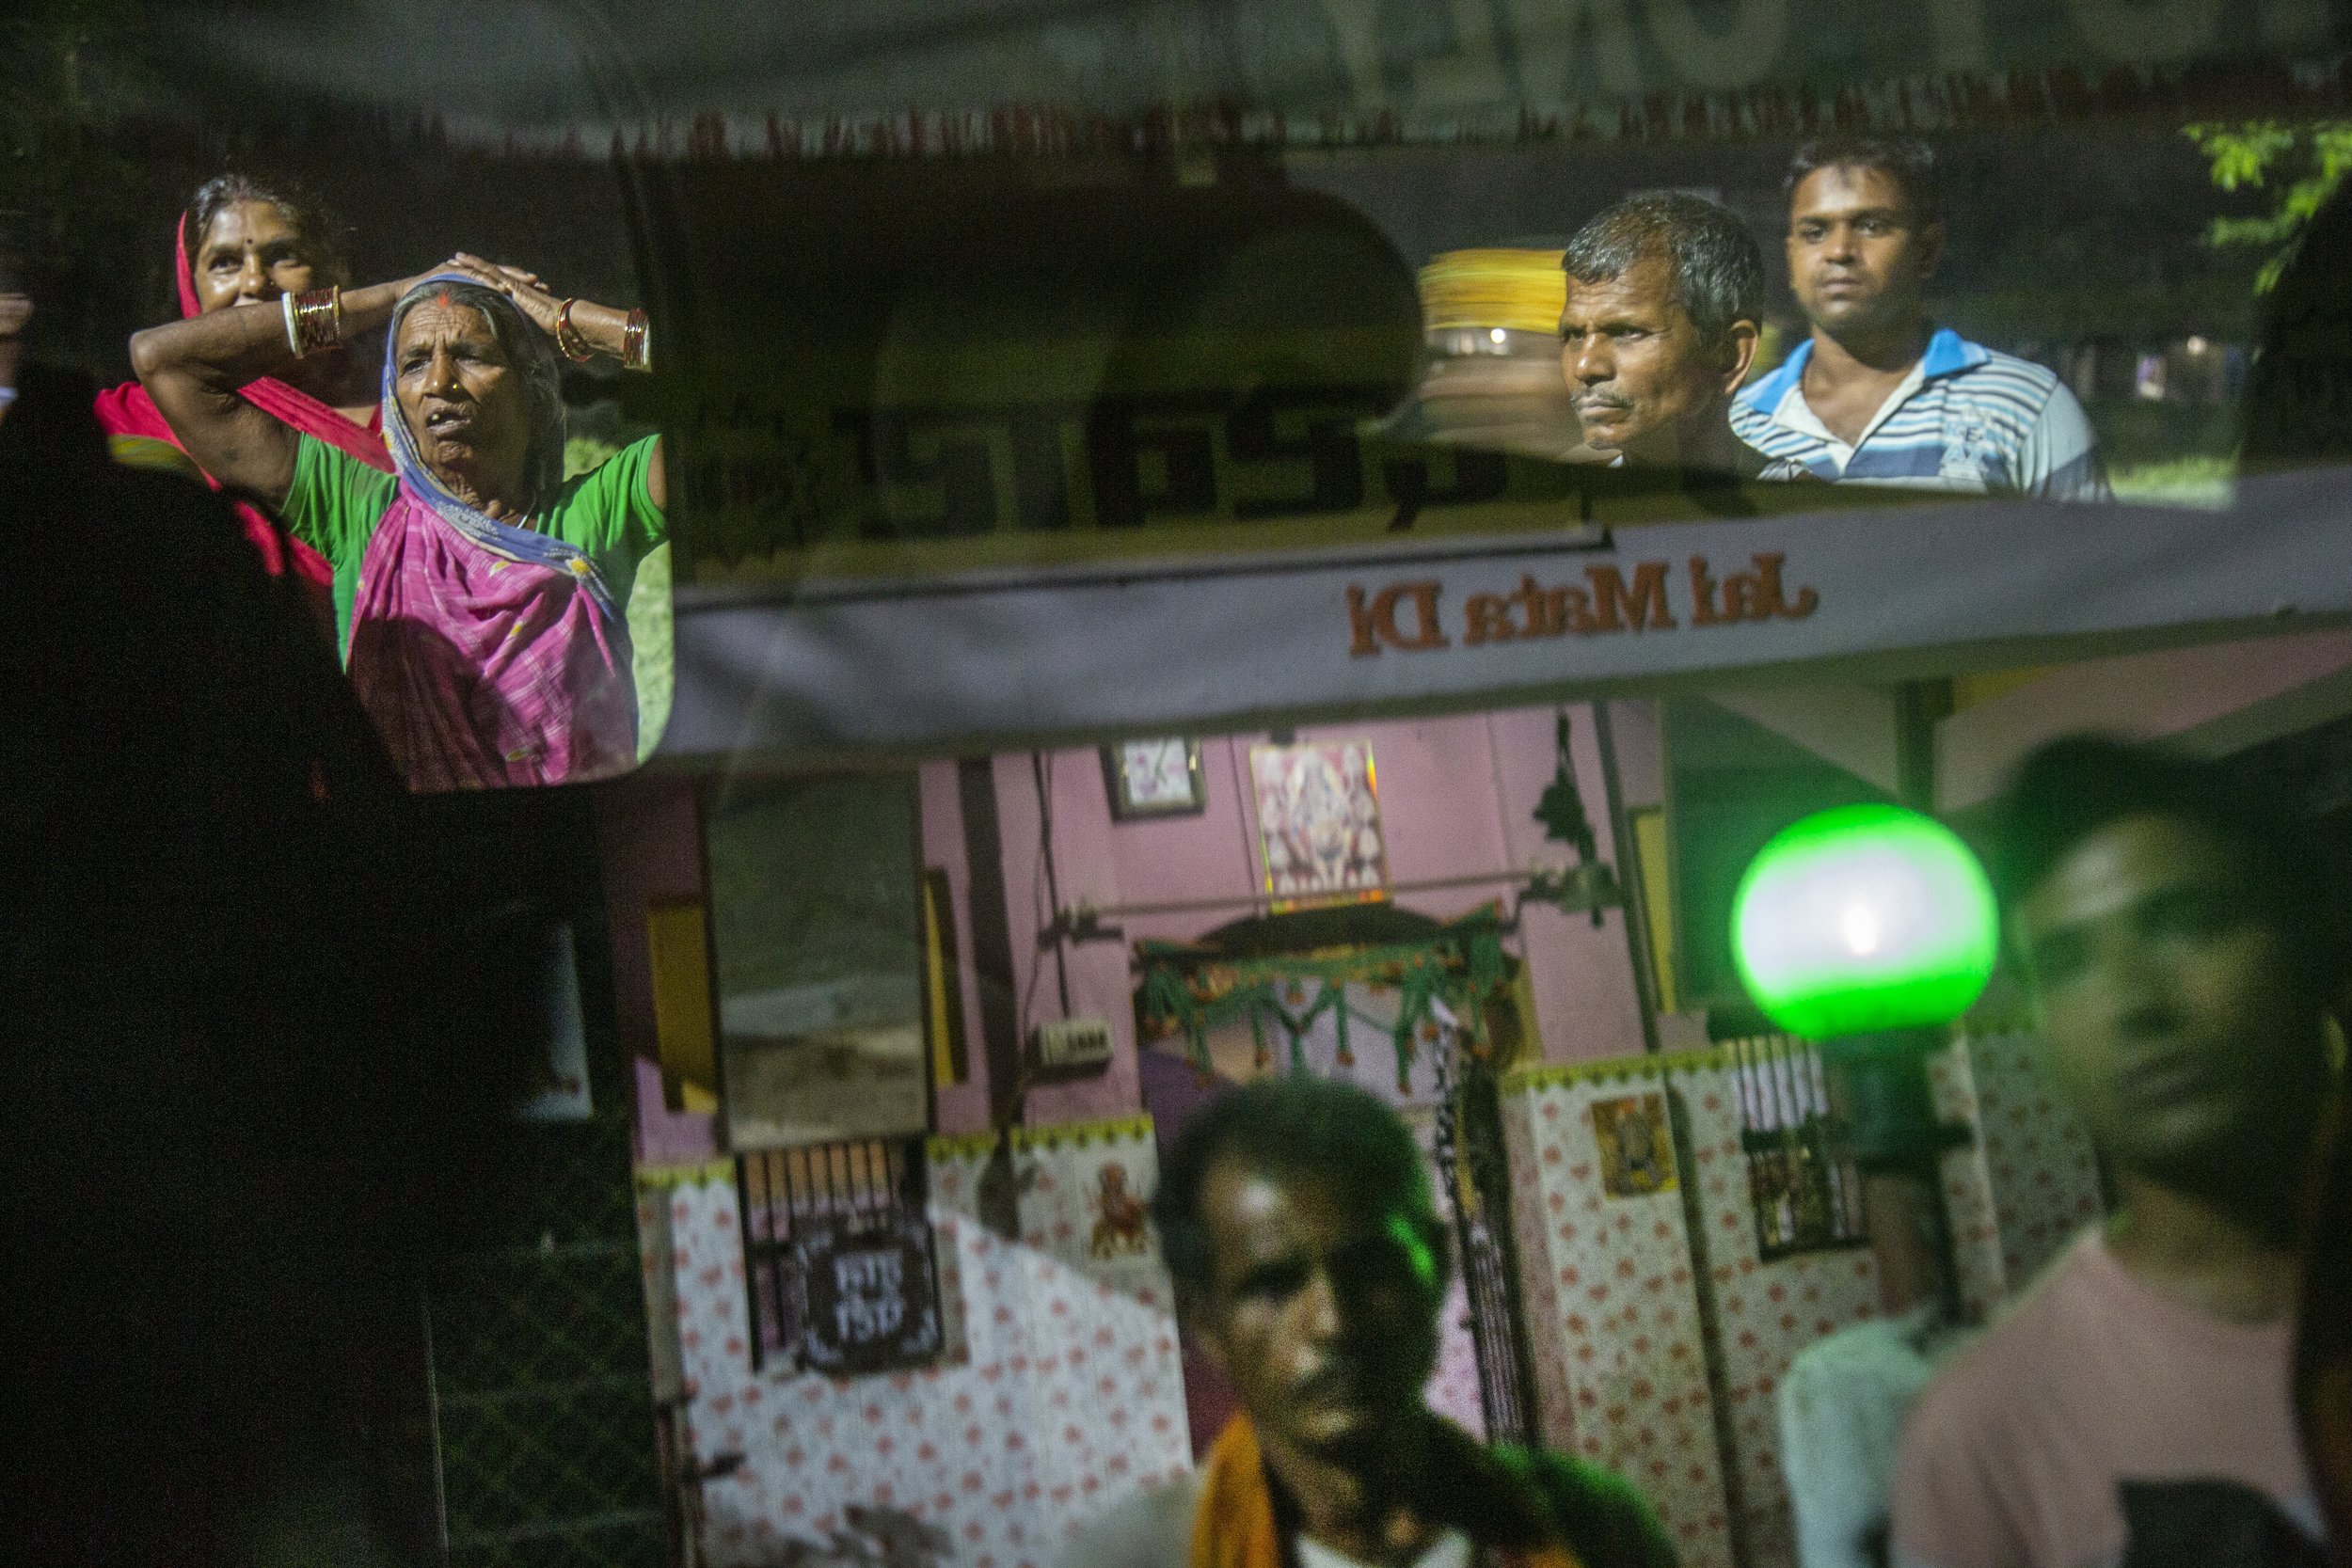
(1664, 294)
(1864, 238)
(2132, 1402)
(2180, 952)
(1310, 1261)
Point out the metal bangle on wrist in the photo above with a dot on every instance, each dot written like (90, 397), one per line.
(636, 351)
(314, 319)
(637, 342)
(568, 337)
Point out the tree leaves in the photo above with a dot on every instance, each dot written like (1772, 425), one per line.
(2312, 159)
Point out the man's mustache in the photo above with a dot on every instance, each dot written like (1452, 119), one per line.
(1333, 1379)
(1600, 400)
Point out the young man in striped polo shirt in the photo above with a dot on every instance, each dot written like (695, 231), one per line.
(1878, 394)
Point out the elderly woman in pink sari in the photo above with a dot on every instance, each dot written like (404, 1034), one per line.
(480, 595)
(242, 241)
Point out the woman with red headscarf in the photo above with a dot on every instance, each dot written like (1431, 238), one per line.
(241, 242)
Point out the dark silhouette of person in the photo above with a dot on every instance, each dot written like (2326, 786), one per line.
(233, 1109)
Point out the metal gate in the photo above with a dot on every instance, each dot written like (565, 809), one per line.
(543, 1413)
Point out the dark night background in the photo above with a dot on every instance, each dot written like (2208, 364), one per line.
(2074, 232)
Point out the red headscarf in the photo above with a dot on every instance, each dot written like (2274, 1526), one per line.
(138, 433)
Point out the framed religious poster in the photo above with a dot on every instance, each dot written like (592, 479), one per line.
(1637, 1152)
(1157, 777)
(1319, 822)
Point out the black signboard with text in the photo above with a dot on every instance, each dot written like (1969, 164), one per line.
(868, 1302)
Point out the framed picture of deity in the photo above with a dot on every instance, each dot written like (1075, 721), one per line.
(1637, 1151)
(1319, 823)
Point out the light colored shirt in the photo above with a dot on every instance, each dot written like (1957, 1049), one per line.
(1842, 1406)
(1966, 417)
(1449, 1551)
(2099, 1419)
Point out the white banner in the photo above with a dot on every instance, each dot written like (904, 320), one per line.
(978, 660)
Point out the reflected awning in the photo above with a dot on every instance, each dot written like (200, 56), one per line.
(981, 661)
(911, 76)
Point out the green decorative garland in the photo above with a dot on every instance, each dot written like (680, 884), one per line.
(1193, 990)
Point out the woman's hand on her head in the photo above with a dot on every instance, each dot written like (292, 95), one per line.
(462, 266)
(593, 328)
(516, 283)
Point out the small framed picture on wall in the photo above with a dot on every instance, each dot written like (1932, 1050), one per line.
(1157, 777)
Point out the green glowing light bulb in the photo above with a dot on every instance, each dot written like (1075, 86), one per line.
(1862, 919)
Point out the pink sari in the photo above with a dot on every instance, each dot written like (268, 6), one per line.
(487, 654)
(482, 671)
(139, 435)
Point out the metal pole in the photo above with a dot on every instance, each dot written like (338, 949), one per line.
(1637, 946)
(1257, 900)
(1053, 886)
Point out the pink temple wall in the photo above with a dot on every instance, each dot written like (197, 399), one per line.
(651, 854)
(2213, 697)
(1457, 798)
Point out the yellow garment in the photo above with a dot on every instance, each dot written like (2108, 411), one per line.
(148, 452)
(1234, 1527)
(1523, 291)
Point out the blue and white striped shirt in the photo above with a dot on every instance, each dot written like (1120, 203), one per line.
(1967, 418)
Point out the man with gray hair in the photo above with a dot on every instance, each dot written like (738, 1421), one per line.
(1665, 292)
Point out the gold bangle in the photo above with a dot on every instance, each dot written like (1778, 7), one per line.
(568, 337)
(317, 317)
(637, 342)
